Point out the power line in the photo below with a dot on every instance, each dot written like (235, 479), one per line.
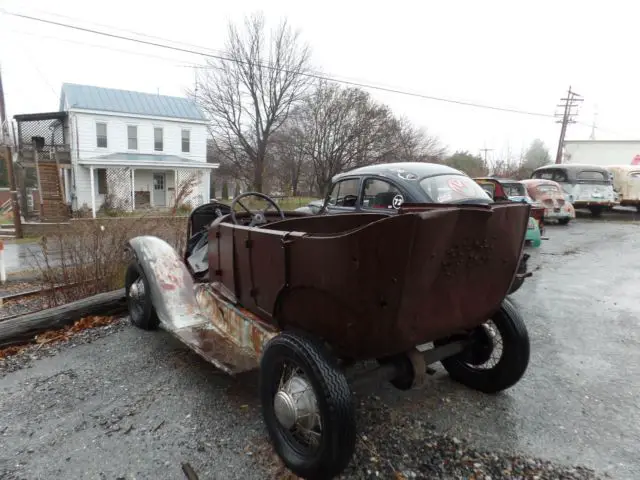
(306, 74)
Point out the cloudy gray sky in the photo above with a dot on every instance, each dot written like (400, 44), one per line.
(512, 54)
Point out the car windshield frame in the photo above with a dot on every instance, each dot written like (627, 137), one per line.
(546, 188)
(507, 186)
(482, 196)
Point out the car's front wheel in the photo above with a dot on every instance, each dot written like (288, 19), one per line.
(307, 406)
(138, 295)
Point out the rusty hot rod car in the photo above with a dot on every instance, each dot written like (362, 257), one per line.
(304, 298)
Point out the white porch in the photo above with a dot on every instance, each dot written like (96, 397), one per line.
(132, 182)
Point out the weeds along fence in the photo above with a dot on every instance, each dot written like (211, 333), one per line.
(91, 253)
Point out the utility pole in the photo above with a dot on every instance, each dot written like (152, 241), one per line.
(570, 102)
(485, 150)
(593, 125)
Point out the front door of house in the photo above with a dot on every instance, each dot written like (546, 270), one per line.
(159, 188)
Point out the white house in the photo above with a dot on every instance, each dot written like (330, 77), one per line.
(133, 149)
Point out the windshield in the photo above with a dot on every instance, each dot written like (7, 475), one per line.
(453, 189)
(592, 175)
(514, 189)
(547, 188)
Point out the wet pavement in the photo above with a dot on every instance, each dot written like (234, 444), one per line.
(142, 398)
(579, 402)
(26, 256)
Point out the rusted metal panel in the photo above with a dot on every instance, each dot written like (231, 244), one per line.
(326, 224)
(244, 329)
(385, 286)
(217, 349)
(221, 256)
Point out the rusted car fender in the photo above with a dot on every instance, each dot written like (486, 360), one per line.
(172, 288)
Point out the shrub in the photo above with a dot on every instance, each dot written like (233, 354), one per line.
(90, 254)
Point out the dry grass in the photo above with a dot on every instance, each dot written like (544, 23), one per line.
(91, 253)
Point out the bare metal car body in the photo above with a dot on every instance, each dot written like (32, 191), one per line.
(552, 198)
(587, 186)
(626, 183)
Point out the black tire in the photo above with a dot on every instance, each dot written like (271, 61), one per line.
(515, 286)
(512, 363)
(141, 310)
(596, 211)
(334, 405)
(564, 221)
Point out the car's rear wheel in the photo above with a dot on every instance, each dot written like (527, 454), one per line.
(515, 286)
(138, 295)
(596, 211)
(307, 406)
(499, 355)
(564, 221)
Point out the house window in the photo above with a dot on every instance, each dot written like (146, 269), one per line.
(101, 135)
(132, 135)
(102, 181)
(186, 140)
(157, 139)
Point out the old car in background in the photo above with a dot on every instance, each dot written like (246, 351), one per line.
(626, 184)
(385, 188)
(586, 186)
(503, 190)
(313, 207)
(304, 298)
(552, 197)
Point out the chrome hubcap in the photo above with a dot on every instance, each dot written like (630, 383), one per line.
(136, 291)
(296, 408)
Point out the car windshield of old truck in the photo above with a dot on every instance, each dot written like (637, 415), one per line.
(592, 175)
(514, 189)
(453, 189)
(547, 188)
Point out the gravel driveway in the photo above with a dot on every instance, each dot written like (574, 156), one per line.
(145, 400)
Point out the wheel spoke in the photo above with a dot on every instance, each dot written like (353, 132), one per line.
(245, 208)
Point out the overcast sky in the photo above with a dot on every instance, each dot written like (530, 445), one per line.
(513, 54)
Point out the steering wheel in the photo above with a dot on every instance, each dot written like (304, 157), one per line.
(257, 217)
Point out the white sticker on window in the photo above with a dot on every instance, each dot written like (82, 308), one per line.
(398, 200)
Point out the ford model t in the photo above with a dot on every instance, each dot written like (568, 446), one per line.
(306, 297)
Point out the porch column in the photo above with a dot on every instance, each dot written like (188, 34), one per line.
(93, 192)
(175, 187)
(133, 189)
(65, 185)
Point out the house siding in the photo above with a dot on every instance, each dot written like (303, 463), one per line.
(84, 146)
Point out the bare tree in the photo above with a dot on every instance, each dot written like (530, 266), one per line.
(341, 128)
(414, 144)
(292, 165)
(249, 94)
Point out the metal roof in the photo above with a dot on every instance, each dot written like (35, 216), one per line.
(87, 97)
(146, 160)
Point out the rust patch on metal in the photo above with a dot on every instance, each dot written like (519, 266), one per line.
(240, 326)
